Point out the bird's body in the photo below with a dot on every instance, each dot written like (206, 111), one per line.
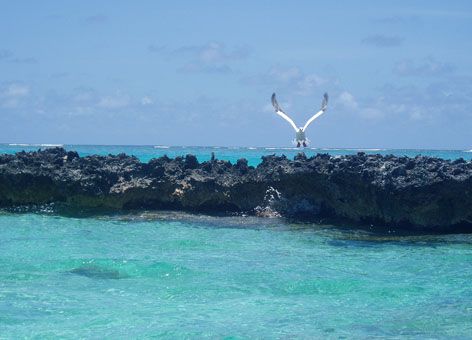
(300, 137)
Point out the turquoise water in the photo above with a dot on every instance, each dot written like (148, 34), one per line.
(174, 275)
(253, 154)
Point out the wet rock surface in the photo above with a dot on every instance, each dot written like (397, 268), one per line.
(421, 193)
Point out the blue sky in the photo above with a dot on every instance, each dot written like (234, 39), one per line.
(399, 74)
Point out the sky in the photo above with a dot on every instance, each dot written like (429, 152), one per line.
(398, 73)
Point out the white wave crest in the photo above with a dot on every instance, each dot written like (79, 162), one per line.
(43, 145)
(161, 147)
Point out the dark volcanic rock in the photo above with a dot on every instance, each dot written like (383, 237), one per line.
(420, 193)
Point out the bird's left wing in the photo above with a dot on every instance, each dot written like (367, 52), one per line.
(281, 113)
(324, 106)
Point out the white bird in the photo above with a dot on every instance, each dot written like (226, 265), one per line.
(300, 137)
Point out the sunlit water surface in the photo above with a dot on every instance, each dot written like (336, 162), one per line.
(174, 275)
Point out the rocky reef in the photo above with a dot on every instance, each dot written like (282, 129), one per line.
(418, 194)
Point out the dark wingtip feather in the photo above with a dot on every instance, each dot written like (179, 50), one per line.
(274, 102)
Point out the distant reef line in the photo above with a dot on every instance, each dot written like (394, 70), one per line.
(421, 194)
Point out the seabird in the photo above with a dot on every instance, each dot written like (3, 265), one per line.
(300, 137)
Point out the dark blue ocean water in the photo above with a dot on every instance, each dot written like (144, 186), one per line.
(174, 275)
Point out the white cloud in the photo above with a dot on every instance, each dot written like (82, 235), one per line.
(292, 80)
(12, 94)
(146, 101)
(440, 102)
(380, 40)
(113, 102)
(347, 100)
(371, 113)
(213, 57)
(213, 52)
(16, 90)
(424, 68)
(309, 83)
(285, 74)
(203, 68)
(417, 114)
(84, 95)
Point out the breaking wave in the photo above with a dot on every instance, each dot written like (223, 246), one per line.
(43, 145)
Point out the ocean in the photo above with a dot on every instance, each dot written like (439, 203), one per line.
(252, 154)
(176, 275)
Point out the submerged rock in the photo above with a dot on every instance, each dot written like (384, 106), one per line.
(420, 193)
(95, 272)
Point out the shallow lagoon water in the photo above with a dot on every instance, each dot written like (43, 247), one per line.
(174, 275)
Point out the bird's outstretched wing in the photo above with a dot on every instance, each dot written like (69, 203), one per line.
(281, 113)
(324, 106)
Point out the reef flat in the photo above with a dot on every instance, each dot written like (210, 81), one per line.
(419, 194)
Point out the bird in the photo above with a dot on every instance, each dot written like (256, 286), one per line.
(300, 137)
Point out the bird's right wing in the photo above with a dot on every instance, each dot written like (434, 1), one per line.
(281, 113)
(324, 106)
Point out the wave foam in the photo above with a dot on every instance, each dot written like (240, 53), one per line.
(50, 145)
(43, 145)
(161, 147)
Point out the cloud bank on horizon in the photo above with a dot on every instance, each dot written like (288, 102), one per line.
(398, 74)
